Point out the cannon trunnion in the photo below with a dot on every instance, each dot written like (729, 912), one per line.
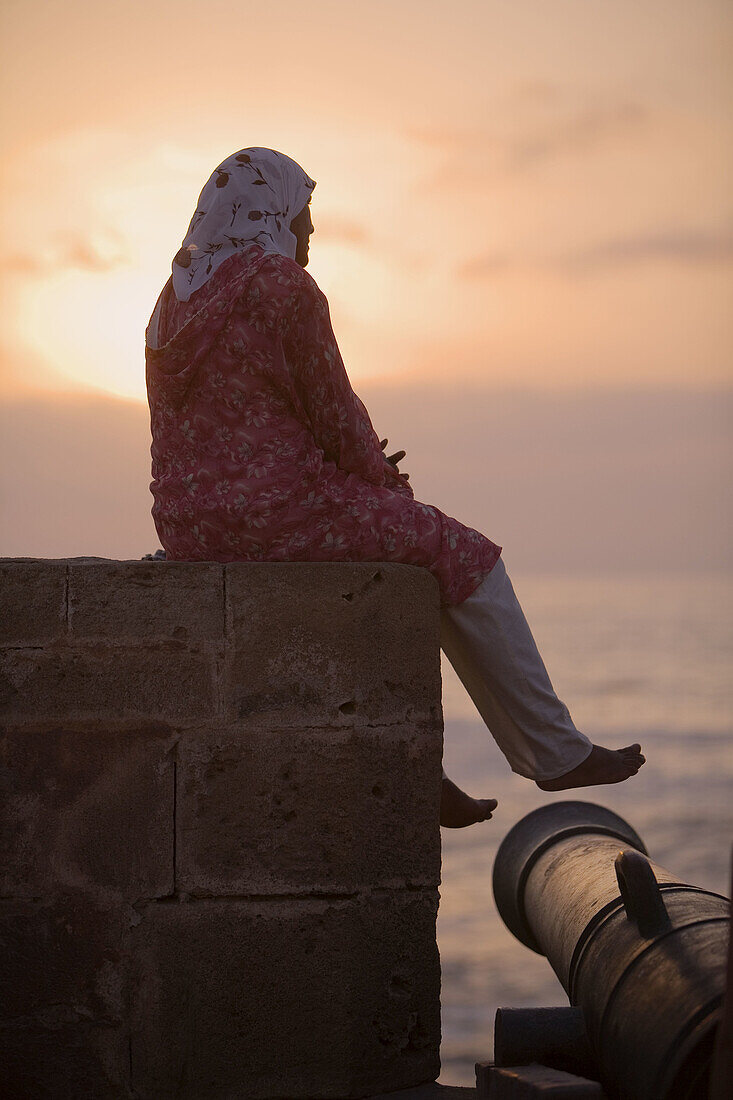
(643, 954)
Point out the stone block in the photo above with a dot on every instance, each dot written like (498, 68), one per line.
(431, 1091)
(296, 998)
(220, 844)
(332, 643)
(144, 601)
(276, 812)
(63, 998)
(107, 683)
(32, 601)
(62, 961)
(88, 809)
(64, 1061)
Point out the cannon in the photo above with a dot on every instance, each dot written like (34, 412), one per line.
(640, 952)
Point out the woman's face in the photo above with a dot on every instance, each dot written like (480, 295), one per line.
(302, 227)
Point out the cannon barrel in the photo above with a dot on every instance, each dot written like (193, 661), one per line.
(643, 954)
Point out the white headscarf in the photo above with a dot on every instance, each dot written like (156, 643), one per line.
(252, 196)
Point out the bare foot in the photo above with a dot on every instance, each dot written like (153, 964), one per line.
(458, 809)
(602, 766)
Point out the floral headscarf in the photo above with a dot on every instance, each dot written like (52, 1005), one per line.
(252, 196)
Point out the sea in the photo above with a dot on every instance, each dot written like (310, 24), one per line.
(635, 658)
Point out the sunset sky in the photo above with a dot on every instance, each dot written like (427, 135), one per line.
(512, 197)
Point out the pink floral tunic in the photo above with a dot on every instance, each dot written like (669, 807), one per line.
(261, 449)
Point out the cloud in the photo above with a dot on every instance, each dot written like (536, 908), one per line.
(486, 265)
(539, 90)
(682, 246)
(543, 124)
(691, 247)
(579, 132)
(99, 254)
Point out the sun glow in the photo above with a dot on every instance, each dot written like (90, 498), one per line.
(482, 205)
(91, 327)
(85, 283)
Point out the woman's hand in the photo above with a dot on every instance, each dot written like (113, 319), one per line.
(394, 459)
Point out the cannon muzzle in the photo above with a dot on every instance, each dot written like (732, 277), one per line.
(643, 954)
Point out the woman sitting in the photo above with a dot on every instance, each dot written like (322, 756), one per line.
(263, 452)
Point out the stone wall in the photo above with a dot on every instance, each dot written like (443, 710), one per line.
(220, 847)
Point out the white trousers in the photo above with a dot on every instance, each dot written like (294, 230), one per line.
(488, 641)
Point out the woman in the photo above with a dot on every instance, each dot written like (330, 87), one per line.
(263, 452)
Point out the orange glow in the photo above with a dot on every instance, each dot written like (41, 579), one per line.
(515, 195)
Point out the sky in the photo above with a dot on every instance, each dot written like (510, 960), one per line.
(512, 200)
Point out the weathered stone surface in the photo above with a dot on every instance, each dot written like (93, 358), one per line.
(32, 601)
(220, 830)
(89, 809)
(107, 683)
(286, 998)
(431, 1091)
(144, 601)
(61, 961)
(287, 812)
(63, 999)
(64, 1061)
(332, 643)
